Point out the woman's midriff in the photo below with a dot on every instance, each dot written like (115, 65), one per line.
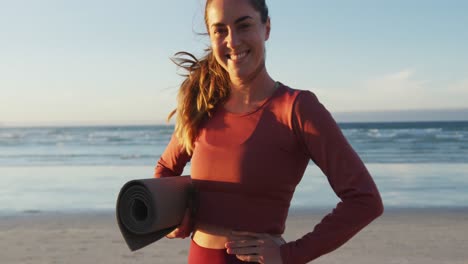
(209, 236)
(214, 237)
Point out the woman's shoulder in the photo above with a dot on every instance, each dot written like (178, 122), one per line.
(303, 104)
(288, 103)
(297, 96)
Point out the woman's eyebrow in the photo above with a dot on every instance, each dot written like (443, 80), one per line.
(239, 20)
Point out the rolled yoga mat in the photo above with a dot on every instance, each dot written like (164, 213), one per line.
(149, 209)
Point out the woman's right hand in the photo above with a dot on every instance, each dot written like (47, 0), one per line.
(185, 227)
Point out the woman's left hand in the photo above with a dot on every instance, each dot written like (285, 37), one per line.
(255, 247)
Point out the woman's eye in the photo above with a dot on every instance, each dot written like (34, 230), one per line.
(219, 31)
(244, 26)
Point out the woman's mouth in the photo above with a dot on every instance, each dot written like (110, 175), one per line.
(237, 56)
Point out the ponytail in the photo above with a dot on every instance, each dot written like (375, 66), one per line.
(206, 85)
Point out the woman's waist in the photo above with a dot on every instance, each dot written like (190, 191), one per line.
(215, 237)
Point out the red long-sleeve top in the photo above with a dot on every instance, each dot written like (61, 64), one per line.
(246, 168)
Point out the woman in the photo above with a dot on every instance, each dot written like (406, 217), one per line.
(249, 140)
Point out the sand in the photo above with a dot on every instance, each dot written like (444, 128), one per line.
(416, 236)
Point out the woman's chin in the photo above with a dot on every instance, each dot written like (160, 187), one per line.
(238, 73)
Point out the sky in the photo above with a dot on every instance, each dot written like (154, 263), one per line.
(108, 61)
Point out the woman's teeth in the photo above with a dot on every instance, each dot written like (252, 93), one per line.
(237, 56)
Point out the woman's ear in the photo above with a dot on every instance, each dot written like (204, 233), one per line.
(268, 28)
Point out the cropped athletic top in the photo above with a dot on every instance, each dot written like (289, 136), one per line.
(246, 168)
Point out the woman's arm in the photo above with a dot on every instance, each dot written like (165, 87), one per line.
(172, 161)
(360, 202)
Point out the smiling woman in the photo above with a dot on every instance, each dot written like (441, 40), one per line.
(249, 139)
(238, 43)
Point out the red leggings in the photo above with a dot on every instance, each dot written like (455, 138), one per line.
(201, 255)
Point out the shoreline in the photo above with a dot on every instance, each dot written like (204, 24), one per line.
(83, 188)
(400, 235)
(293, 212)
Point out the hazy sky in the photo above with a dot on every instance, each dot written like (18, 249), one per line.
(107, 61)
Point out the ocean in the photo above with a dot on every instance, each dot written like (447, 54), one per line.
(415, 164)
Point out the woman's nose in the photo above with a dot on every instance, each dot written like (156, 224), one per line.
(232, 39)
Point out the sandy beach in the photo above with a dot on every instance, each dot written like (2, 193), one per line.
(400, 236)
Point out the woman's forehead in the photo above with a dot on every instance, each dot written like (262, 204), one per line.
(229, 11)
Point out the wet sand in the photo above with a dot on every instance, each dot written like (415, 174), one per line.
(400, 236)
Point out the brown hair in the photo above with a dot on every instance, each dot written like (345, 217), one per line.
(205, 86)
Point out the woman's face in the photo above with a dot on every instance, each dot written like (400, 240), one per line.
(237, 37)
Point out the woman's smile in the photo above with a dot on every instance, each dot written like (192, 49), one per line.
(238, 57)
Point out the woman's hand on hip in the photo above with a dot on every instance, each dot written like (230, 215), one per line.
(255, 247)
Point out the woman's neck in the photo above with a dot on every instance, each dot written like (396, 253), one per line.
(248, 95)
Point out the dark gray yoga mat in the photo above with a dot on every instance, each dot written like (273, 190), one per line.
(149, 209)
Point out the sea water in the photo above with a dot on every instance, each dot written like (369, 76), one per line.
(415, 164)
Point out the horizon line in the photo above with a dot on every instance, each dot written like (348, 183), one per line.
(371, 116)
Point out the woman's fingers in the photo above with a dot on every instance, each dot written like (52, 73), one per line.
(244, 251)
(244, 243)
(255, 247)
(173, 234)
(250, 258)
(244, 247)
